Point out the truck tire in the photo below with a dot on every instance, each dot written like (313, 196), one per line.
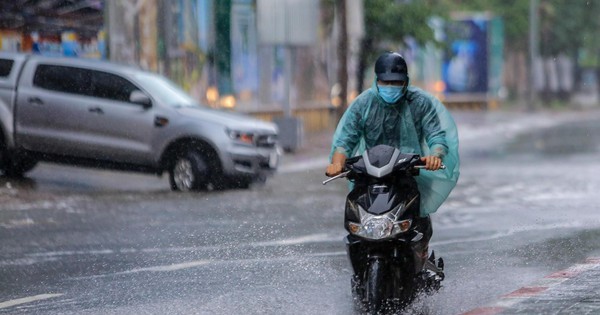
(17, 167)
(3, 157)
(189, 171)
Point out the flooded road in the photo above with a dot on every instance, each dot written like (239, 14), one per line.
(78, 241)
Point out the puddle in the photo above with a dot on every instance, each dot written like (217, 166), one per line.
(567, 139)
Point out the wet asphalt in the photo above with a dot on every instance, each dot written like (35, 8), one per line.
(80, 241)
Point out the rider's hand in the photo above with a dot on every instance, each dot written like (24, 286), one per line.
(334, 169)
(432, 162)
(338, 160)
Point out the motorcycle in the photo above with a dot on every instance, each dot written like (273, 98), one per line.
(387, 244)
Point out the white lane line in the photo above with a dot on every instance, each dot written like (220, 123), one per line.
(173, 267)
(25, 300)
(306, 239)
(199, 263)
(511, 232)
(300, 240)
(73, 252)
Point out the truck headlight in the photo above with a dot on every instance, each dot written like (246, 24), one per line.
(240, 136)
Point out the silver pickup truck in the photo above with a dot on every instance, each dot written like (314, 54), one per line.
(100, 114)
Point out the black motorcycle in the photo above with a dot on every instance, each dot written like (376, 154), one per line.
(388, 241)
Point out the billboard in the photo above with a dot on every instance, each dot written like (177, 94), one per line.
(473, 56)
(244, 48)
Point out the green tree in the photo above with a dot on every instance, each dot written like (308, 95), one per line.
(566, 26)
(514, 12)
(387, 23)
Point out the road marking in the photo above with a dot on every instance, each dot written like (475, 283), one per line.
(198, 263)
(73, 253)
(513, 231)
(505, 302)
(173, 267)
(311, 238)
(25, 300)
(306, 239)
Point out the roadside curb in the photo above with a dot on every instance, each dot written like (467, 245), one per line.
(533, 291)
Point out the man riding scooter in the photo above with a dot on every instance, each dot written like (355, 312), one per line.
(405, 117)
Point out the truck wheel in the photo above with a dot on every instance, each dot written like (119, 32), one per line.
(15, 168)
(189, 171)
(3, 158)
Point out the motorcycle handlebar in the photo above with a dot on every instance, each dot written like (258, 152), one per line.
(336, 177)
(344, 174)
(443, 167)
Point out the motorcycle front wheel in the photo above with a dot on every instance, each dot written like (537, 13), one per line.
(375, 285)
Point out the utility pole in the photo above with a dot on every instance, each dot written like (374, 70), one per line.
(342, 54)
(533, 51)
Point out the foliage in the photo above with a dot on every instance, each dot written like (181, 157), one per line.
(565, 26)
(515, 13)
(388, 23)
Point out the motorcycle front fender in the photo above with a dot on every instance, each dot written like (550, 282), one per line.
(361, 251)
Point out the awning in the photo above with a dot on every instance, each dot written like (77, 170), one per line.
(51, 17)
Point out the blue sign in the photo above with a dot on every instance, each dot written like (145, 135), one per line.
(465, 68)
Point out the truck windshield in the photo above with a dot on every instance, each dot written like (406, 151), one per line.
(166, 91)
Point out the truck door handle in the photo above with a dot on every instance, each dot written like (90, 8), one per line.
(35, 101)
(96, 110)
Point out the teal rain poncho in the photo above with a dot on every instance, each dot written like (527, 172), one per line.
(419, 124)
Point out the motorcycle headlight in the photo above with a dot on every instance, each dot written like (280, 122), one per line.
(402, 226)
(378, 227)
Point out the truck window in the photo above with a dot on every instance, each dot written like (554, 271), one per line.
(63, 79)
(5, 67)
(111, 86)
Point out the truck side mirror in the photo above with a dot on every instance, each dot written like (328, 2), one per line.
(138, 97)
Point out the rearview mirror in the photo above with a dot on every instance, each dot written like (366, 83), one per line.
(138, 97)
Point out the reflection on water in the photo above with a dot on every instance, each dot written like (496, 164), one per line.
(9, 183)
(583, 137)
(13, 189)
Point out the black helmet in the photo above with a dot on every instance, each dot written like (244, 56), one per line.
(391, 66)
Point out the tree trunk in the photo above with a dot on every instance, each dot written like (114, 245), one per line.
(367, 45)
(342, 53)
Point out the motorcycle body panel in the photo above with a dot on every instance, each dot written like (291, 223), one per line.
(388, 266)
